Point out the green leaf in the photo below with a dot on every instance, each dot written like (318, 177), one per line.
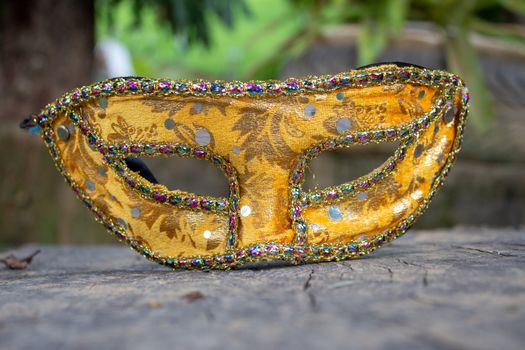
(371, 41)
(396, 12)
(514, 5)
(499, 31)
(463, 59)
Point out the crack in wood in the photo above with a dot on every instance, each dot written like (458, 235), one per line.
(391, 273)
(307, 284)
(311, 297)
(313, 301)
(491, 252)
(209, 315)
(424, 279)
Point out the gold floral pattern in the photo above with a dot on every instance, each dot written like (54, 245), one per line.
(136, 134)
(265, 129)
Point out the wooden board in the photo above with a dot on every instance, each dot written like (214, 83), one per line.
(455, 289)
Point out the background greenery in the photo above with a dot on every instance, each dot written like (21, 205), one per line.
(252, 39)
(232, 51)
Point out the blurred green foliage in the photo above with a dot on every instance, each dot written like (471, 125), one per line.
(186, 18)
(233, 49)
(251, 39)
(385, 19)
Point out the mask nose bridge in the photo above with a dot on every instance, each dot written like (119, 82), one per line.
(264, 172)
(263, 202)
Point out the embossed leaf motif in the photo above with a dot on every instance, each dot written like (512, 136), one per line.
(262, 126)
(178, 227)
(93, 113)
(185, 229)
(345, 109)
(254, 187)
(174, 226)
(370, 114)
(169, 224)
(198, 105)
(136, 134)
(81, 151)
(425, 148)
(381, 196)
(410, 106)
(212, 243)
(150, 214)
(186, 134)
(205, 106)
(162, 106)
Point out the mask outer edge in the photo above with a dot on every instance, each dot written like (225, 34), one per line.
(294, 253)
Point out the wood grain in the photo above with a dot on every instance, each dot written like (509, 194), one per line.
(448, 289)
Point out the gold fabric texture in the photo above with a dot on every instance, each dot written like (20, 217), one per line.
(262, 138)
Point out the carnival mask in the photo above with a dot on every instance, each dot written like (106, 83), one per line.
(262, 135)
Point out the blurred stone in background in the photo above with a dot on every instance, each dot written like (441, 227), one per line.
(112, 59)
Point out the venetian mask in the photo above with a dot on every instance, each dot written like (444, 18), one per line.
(262, 135)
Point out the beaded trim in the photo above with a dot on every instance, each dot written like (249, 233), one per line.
(382, 75)
(295, 253)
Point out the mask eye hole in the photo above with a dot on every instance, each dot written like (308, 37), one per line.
(333, 168)
(189, 175)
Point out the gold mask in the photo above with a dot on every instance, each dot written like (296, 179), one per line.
(262, 135)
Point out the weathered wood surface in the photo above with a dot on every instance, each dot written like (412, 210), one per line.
(457, 289)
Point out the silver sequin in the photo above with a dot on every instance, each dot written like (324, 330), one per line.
(197, 107)
(103, 102)
(246, 210)
(450, 112)
(122, 222)
(90, 185)
(169, 124)
(418, 151)
(343, 125)
(63, 132)
(202, 137)
(309, 111)
(135, 212)
(362, 196)
(334, 213)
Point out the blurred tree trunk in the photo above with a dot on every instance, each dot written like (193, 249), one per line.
(46, 48)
